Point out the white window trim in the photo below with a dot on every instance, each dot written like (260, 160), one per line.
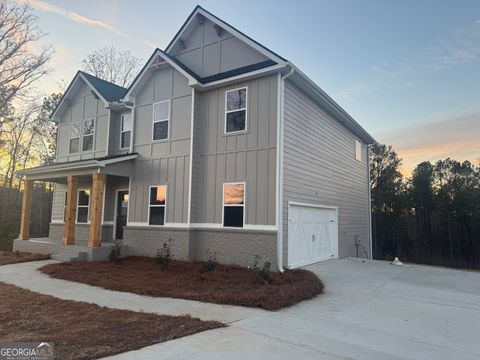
(124, 131)
(244, 203)
(164, 206)
(87, 206)
(78, 137)
(355, 149)
(92, 135)
(158, 121)
(230, 111)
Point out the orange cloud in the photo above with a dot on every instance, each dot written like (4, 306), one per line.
(457, 138)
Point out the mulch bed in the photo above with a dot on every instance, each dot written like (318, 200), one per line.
(228, 284)
(85, 331)
(9, 257)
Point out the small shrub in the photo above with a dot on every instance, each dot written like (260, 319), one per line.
(264, 271)
(165, 255)
(211, 263)
(115, 253)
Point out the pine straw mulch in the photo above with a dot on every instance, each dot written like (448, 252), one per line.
(228, 284)
(14, 257)
(80, 330)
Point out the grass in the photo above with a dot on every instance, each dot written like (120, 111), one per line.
(9, 257)
(228, 284)
(86, 331)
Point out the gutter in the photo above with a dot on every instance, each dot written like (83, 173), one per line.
(280, 115)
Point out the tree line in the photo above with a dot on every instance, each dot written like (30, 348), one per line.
(432, 217)
(27, 136)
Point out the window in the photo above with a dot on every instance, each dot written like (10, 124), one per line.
(88, 132)
(83, 206)
(358, 150)
(161, 117)
(233, 204)
(236, 110)
(125, 130)
(158, 200)
(74, 138)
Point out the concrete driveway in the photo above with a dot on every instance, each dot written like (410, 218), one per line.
(371, 310)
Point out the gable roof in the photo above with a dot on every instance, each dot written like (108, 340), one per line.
(106, 91)
(247, 39)
(110, 91)
(189, 74)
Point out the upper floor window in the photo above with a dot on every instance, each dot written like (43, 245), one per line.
(88, 133)
(157, 204)
(236, 110)
(233, 204)
(358, 150)
(125, 130)
(161, 117)
(83, 206)
(74, 138)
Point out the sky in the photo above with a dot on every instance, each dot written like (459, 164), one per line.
(407, 71)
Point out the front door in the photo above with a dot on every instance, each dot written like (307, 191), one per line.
(122, 208)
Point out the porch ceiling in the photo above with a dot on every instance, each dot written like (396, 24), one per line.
(118, 165)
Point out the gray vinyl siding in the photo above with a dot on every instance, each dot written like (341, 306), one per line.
(320, 168)
(207, 53)
(83, 106)
(249, 156)
(162, 162)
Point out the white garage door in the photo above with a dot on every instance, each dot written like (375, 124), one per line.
(312, 234)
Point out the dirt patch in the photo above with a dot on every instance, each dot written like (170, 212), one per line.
(9, 257)
(228, 284)
(86, 331)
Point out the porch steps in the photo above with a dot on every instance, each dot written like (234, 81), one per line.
(61, 252)
(82, 253)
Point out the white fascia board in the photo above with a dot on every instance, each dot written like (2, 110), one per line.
(231, 30)
(140, 79)
(65, 97)
(242, 77)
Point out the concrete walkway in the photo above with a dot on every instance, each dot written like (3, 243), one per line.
(371, 311)
(25, 275)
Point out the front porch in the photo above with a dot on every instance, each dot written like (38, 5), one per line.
(59, 251)
(87, 215)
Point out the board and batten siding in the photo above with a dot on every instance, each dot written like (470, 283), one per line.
(114, 134)
(162, 162)
(83, 106)
(207, 53)
(243, 157)
(319, 167)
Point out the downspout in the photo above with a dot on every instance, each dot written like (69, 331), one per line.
(132, 109)
(279, 212)
(369, 204)
(108, 132)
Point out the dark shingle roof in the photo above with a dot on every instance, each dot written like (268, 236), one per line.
(108, 90)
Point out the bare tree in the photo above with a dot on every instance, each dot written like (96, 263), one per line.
(19, 65)
(118, 67)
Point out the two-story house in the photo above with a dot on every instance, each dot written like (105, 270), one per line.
(220, 145)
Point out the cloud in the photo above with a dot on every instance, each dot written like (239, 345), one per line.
(47, 7)
(459, 46)
(456, 137)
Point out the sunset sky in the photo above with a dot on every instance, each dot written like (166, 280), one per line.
(408, 71)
